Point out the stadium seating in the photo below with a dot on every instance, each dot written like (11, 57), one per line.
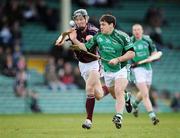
(37, 39)
(167, 70)
(8, 102)
(71, 101)
(132, 12)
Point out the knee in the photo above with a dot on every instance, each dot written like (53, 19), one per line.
(113, 95)
(119, 92)
(89, 89)
(145, 95)
(98, 96)
(112, 92)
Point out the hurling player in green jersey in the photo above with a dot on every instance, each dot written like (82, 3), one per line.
(144, 49)
(116, 47)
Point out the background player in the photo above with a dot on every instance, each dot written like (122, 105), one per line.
(145, 49)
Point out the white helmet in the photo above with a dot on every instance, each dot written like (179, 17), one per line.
(80, 12)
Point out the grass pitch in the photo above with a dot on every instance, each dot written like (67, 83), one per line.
(69, 126)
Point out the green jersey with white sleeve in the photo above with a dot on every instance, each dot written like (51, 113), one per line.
(110, 46)
(143, 49)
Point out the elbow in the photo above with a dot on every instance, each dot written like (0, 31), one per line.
(132, 54)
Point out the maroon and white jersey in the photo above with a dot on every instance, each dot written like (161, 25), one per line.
(81, 36)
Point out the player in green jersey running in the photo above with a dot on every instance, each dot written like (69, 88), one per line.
(116, 47)
(144, 49)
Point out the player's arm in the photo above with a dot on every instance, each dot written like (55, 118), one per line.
(129, 52)
(91, 41)
(79, 44)
(63, 37)
(82, 45)
(154, 56)
(73, 37)
(127, 56)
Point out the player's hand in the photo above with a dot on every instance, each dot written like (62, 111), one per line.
(148, 60)
(64, 36)
(114, 61)
(73, 34)
(88, 37)
(59, 41)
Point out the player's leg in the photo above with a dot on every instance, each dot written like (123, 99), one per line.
(145, 95)
(127, 99)
(86, 69)
(94, 78)
(147, 103)
(101, 89)
(90, 100)
(152, 114)
(140, 77)
(128, 102)
(112, 92)
(124, 73)
(120, 86)
(135, 104)
(109, 81)
(90, 73)
(108, 78)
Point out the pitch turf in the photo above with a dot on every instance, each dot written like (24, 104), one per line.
(69, 126)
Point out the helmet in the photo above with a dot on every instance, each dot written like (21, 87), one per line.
(80, 12)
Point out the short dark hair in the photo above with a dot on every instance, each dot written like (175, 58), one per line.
(108, 18)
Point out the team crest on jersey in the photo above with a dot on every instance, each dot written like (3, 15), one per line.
(108, 41)
(99, 39)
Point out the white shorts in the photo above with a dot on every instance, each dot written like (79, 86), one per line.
(110, 77)
(85, 68)
(142, 75)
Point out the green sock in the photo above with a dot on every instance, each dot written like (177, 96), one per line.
(127, 97)
(151, 114)
(135, 103)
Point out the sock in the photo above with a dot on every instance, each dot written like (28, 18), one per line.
(127, 96)
(119, 115)
(135, 103)
(105, 89)
(90, 103)
(151, 114)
